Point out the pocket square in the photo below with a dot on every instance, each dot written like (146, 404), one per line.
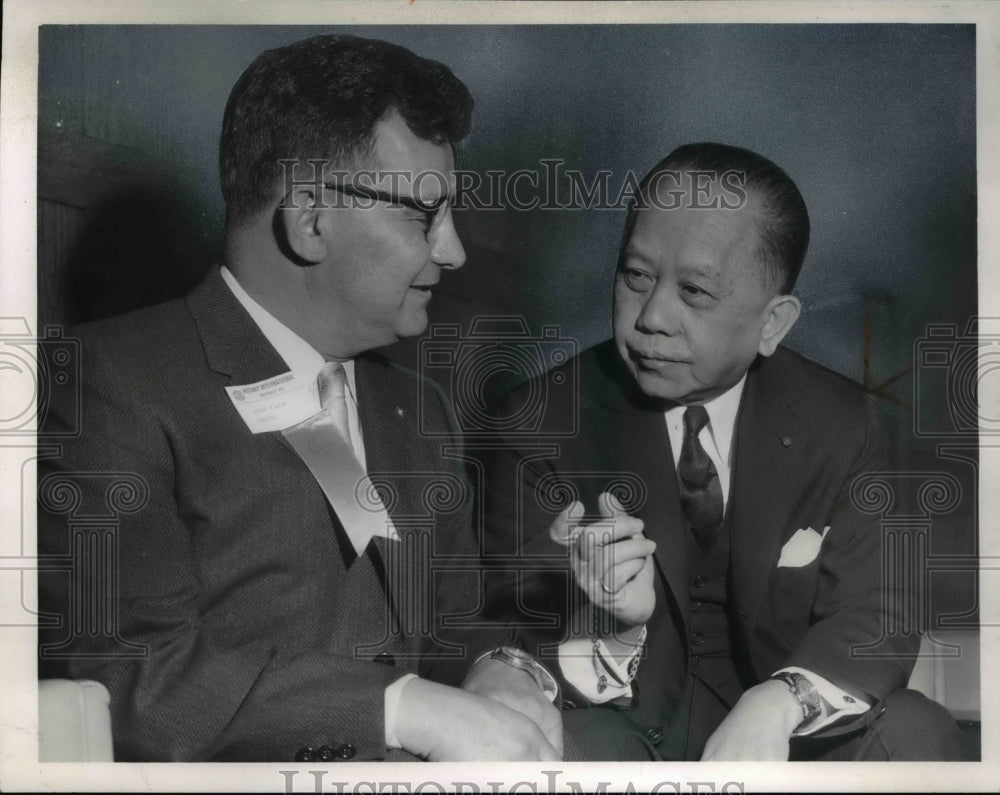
(802, 548)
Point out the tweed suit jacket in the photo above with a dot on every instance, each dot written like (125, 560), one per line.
(803, 435)
(260, 632)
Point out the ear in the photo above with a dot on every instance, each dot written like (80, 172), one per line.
(780, 315)
(299, 222)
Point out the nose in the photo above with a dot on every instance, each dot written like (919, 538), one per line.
(659, 314)
(447, 250)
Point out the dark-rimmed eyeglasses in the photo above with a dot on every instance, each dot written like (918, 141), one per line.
(432, 211)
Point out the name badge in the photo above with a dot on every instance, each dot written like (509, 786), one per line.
(277, 403)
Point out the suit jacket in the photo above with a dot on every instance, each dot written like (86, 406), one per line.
(803, 434)
(262, 632)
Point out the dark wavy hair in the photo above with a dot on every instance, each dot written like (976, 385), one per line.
(783, 223)
(320, 98)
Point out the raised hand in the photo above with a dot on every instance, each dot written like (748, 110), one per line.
(612, 560)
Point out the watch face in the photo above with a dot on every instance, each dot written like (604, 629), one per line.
(516, 653)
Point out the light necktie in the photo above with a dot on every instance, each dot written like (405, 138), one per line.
(332, 384)
(323, 442)
(701, 491)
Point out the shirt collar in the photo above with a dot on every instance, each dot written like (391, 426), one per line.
(299, 356)
(722, 412)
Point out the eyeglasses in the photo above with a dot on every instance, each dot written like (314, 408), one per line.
(432, 212)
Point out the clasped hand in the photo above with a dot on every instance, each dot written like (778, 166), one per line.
(612, 560)
(448, 724)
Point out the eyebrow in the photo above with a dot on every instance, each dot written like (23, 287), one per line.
(631, 253)
(703, 269)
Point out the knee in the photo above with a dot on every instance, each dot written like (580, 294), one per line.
(913, 727)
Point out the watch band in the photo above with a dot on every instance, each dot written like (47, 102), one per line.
(805, 693)
(520, 659)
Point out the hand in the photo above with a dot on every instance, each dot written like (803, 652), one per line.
(758, 728)
(517, 690)
(445, 724)
(612, 560)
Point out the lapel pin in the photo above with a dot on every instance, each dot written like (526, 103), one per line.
(786, 441)
(399, 412)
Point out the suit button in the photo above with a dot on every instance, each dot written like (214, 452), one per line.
(697, 639)
(655, 735)
(695, 607)
(324, 754)
(384, 658)
(304, 755)
(699, 582)
(346, 751)
(695, 660)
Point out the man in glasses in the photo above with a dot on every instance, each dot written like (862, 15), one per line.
(273, 596)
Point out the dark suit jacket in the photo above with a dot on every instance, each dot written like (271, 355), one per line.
(803, 434)
(260, 628)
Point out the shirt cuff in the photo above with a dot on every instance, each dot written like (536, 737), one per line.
(392, 695)
(836, 703)
(599, 675)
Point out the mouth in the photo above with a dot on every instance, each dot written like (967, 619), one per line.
(423, 288)
(654, 361)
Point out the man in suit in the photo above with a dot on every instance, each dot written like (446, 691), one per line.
(274, 508)
(692, 543)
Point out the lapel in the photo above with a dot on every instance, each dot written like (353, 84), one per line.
(396, 456)
(770, 445)
(387, 408)
(233, 343)
(396, 453)
(634, 435)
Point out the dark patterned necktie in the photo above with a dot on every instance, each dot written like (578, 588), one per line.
(701, 492)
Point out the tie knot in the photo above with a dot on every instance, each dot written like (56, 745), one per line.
(695, 418)
(332, 380)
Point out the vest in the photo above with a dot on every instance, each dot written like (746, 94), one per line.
(686, 686)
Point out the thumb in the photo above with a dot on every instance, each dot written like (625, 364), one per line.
(561, 530)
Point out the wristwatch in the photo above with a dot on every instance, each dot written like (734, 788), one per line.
(520, 659)
(805, 693)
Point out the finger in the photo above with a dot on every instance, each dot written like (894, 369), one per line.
(711, 748)
(587, 549)
(631, 549)
(617, 577)
(554, 735)
(645, 574)
(608, 531)
(596, 560)
(562, 528)
(610, 506)
(547, 753)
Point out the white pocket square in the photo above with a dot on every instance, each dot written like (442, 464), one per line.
(802, 548)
